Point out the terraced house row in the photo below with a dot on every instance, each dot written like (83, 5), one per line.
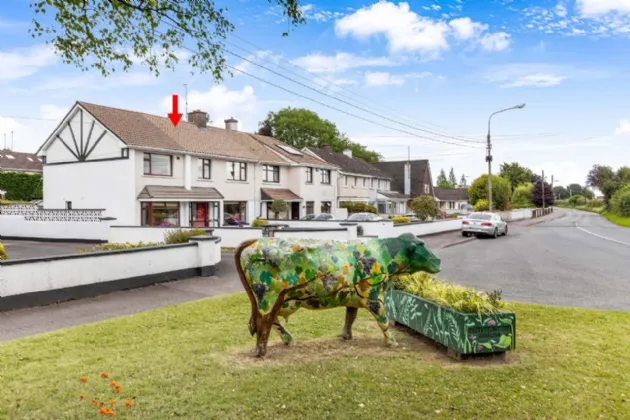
(143, 171)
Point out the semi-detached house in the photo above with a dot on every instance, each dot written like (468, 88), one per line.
(143, 171)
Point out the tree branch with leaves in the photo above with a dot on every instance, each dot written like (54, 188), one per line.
(112, 34)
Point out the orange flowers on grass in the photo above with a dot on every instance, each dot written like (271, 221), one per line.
(103, 410)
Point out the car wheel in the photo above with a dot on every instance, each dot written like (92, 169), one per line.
(506, 229)
(495, 234)
(465, 234)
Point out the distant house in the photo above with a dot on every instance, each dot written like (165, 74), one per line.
(451, 198)
(11, 161)
(362, 181)
(419, 180)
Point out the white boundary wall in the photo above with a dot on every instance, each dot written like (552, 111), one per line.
(138, 266)
(231, 237)
(345, 233)
(421, 229)
(17, 227)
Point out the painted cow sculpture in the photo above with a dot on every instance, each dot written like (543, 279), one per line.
(282, 275)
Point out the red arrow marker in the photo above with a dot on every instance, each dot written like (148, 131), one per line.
(175, 116)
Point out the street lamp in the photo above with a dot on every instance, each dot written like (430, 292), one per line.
(489, 152)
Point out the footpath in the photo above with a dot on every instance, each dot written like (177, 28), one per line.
(30, 321)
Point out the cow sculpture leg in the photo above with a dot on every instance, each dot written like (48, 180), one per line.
(377, 309)
(285, 312)
(351, 315)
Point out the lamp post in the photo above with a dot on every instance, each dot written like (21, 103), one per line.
(489, 152)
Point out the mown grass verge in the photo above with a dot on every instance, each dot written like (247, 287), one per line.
(618, 220)
(194, 361)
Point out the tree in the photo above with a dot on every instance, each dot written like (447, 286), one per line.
(107, 35)
(515, 174)
(573, 189)
(522, 196)
(300, 128)
(451, 179)
(278, 206)
(441, 180)
(537, 194)
(561, 192)
(424, 207)
(501, 191)
(607, 180)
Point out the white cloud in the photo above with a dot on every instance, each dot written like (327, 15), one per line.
(624, 128)
(310, 11)
(535, 80)
(403, 29)
(465, 28)
(340, 62)
(53, 112)
(25, 62)
(407, 31)
(602, 7)
(220, 102)
(576, 31)
(495, 42)
(386, 78)
(435, 7)
(560, 10)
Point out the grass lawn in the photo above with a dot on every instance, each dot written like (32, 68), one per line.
(621, 221)
(194, 361)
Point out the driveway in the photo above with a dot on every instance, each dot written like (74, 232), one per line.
(32, 249)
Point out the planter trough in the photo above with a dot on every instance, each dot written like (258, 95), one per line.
(461, 333)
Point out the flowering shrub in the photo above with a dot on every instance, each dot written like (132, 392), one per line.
(259, 223)
(181, 236)
(401, 219)
(116, 246)
(3, 253)
(105, 408)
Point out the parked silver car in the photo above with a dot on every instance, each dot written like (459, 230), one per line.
(318, 216)
(484, 224)
(364, 217)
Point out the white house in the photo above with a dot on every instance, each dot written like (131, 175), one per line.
(451, 198)
(362, 181)
(144, 171)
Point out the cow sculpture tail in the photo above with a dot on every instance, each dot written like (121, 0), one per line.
(246, 285)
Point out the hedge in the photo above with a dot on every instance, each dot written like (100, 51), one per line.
(358, 207)
(21, 186)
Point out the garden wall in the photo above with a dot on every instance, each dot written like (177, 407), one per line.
(429, 228)
(29, 222)
(40, 281)
(332, 233)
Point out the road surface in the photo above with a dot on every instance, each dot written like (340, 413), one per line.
(580, 260)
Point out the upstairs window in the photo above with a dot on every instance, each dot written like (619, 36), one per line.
(271, 173)
(237, 171)
(309, 176)
(205, 167)
(155, 164)
(325, 176)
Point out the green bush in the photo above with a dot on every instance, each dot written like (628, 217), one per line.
(462, 299)
(21, 186)
(620, 201)
(117, 246)
(521, 197)
(12, 202)
(481, 205)
(3, 253)
(181, 236)
(358, 207)
(278, 206)
(424, 207)
(259, 223)
(401, 219)
(501, 191)
(577, 200)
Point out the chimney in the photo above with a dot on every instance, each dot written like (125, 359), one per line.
(348, 152)
(231, 124)
(199, 118)
(328, 148)
(407, 179)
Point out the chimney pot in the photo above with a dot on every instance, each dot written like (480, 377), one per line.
(348, 153)
(199, 118)
(231, 124)
(328, 148)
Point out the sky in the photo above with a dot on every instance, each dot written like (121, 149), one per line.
(418, 76)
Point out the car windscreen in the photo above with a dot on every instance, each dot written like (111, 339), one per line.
(480, 216)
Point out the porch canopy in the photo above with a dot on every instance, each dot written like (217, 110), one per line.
(271, 194)
(169, 193)
(392, 195)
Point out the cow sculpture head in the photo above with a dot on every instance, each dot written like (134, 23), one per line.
(418, 256)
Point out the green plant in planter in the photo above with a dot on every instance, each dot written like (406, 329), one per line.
(259, 223)
(181, 236)
(278, 206)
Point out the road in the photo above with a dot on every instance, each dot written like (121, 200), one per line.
(580, 260)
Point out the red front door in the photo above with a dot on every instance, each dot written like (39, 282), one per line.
(200, 214)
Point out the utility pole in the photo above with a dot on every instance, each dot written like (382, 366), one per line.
(543, 184)
(489, 153)
(186, 96)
